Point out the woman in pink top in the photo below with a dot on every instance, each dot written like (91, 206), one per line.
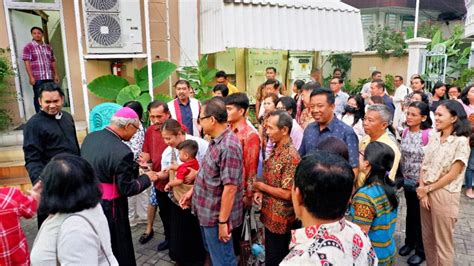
(467, 101)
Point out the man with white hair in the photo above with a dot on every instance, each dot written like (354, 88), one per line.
(117, 172)
(377, 119)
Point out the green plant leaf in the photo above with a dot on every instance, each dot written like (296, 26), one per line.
(136, 75)
(129, 93)
(437, 38)
(466, 52)
(161, 70)
(163, 98)
(409, 33)
(108, 86)
(144, 99)
(210, 75)
(202, 63)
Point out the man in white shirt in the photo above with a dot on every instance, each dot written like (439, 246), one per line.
(401, 92)
(341, 97)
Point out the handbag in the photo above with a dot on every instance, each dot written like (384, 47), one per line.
(251, 240)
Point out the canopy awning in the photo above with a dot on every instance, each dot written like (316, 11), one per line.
(301, 25)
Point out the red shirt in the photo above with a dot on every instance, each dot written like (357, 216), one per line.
(13, 245)
(183, 170)
(155, 145)
(250, 143)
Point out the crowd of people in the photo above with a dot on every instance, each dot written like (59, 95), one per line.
(321, 167)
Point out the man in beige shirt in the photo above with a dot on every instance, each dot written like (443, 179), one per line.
(377, 119)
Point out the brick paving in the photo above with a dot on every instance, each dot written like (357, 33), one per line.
(147, 254)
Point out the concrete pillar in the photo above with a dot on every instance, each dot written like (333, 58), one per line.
(471, 57)
(416, 51)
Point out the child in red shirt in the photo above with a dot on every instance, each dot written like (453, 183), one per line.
(187, 154)
(13, 205)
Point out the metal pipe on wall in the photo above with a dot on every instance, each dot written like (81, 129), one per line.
(82, 66)
(148, 49)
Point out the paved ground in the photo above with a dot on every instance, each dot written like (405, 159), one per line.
(147, 254)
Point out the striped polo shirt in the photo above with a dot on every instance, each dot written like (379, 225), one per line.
(370, 206)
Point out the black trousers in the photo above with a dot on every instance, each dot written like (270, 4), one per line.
(276, 247)
(116, 212)
(186, 247)
(236, 236)
(413, 222)
(164, 203)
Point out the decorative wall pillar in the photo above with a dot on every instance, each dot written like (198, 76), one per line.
(416, 52)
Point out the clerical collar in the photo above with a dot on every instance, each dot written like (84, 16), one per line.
(57, 116)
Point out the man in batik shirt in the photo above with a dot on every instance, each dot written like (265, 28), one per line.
(274, 193)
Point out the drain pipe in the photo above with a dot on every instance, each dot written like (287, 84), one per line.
(82, 65)
(148, 49)
(168, 41)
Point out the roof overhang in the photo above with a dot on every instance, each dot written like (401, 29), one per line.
(302, 25)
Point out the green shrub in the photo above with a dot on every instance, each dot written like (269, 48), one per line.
(6, 73)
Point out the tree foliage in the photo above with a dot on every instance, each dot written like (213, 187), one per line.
(386, 42)
(200, 77)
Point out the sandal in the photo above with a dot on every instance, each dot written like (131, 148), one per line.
(146, 237)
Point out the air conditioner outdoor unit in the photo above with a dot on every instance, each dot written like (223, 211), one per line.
(113, 26)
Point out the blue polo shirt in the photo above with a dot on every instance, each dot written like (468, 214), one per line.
(186, 115)
(389, 103)
(312, 136)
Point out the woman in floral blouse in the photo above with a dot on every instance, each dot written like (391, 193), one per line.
(441, 178)
(414, 138)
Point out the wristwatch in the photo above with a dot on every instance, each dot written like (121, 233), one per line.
(429, 189)
(219, 222)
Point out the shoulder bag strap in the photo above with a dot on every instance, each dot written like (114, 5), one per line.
(93, 228)
(425, 135)
(405, 132)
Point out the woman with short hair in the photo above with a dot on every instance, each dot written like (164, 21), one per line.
(76, 231)
(439, 94)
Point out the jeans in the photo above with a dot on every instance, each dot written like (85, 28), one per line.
(221, 253)
(36, 88)
(468, 176)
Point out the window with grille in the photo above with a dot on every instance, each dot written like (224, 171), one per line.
(368, 20)
(391, 21)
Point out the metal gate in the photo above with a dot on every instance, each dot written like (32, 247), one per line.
(434, 66)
